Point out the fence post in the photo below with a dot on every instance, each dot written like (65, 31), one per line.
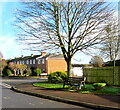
(113, 73)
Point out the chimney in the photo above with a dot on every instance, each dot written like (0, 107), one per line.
(43, 53)
(22, 56)
(32, 55)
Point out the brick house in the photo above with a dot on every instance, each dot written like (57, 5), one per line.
(47, 63)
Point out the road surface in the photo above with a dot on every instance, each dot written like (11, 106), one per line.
(11, 99)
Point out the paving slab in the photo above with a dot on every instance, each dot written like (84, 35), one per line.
(89, 100)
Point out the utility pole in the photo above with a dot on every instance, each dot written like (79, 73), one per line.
(1, 56)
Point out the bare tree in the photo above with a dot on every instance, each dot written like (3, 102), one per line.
(68, 27)
(111, 46)
(96, 61)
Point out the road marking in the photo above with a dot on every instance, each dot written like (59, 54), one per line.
(41, 103)
(6, 97)
(50, 101)
(33, 104)
(6, 85)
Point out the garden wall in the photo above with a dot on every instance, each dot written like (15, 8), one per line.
(110, 75)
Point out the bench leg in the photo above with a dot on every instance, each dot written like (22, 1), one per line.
(69, 87)
(79, 87)
(84, 84)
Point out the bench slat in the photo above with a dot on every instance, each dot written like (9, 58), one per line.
(75, 81)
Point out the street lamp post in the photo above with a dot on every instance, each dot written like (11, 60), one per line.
(1, 56)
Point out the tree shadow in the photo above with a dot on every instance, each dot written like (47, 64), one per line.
(113, 98)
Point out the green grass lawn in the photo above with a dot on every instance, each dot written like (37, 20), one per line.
(48, 85)
(89, 88)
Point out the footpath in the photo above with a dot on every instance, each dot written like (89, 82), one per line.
(95, 101)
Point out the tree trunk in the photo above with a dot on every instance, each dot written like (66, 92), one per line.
(21, 72)
(14, 72)
(69, 68)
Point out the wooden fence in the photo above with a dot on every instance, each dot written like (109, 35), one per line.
(110, 75)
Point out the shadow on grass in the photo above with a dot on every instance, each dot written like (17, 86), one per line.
(87, 89)
(108, 93)
(53, 89)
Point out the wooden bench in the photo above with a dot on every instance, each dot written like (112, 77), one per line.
(75, 81)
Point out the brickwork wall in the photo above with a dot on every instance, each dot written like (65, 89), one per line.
(42, 66)
(56, 65)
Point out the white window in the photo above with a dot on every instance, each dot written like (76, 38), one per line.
(39, 61)
(30, 61)
(27, 61)
(23, 62)
(43, 70)
(33, 61)
(17, 62)
(43, 61)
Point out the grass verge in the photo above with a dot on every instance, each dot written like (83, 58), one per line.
(89, 88)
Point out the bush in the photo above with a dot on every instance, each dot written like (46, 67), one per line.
(99, 86)
(27, 72)
(7, 72)
(57, 77)
(37, 72)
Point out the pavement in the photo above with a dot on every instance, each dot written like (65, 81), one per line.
(95, 101)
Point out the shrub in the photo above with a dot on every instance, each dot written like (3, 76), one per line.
(57, 77)
(27, 72)
(7, 72)
(99, 86)
(37, 72)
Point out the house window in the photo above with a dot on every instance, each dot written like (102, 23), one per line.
(43, 61)
(43, 70)
(23, 62)
(19, 62)
(30, 61)
(33, 61)
(27, 61)
(39, 61)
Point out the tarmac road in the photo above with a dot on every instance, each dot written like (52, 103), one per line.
(20, 81)
(11, 99)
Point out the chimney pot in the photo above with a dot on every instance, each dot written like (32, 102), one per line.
(32, 55)
(43, 53)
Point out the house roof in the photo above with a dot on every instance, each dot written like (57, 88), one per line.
(50, 56)
(24, 58)
(111, 63)
(60, 56)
